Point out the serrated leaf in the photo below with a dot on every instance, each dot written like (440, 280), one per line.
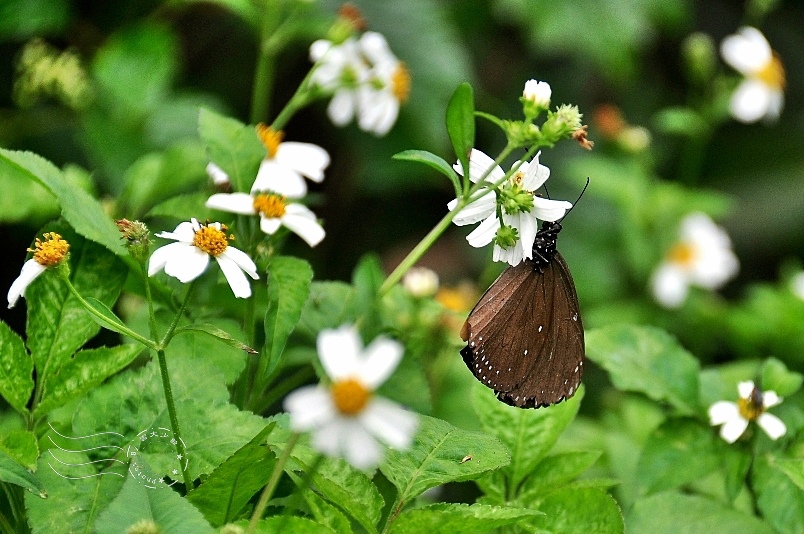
(230, 486)
(327, 514)
(449, 518)
(553, 472)
(14, 473)
(233, 146)
(21, 446)
(793, 468)
(83, 372)
(678, 452)
(78, 500)
(58, 324)
(79, 208)
(647, 360)
(288, 288)
(161, 507)
(665, 513)
(528, 434)
(286, 525)
(330, 305)
(778, 498)
(437, 457)
(215, 333)
(16, 379)
(572, 510)
(461, 123)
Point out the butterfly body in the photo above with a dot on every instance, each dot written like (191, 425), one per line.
(525, 336)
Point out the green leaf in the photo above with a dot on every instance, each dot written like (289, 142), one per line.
(449, 518)
(777, 377)
(681, 121)
(216, 333)
(674, 513)
(14, 473)
(433, 161)
(289, 281)
(571, 510)
(461, 123)
(183, 207)
(24, 19)
(233, 146)
(439, 455)
(330, 305)
(286, 525)
(647, 360)
(680, 451)
(79, 208)
(161, 507)
(58, 324)
(326, 514)
(367, 279)
(528, 434)
(78, 500)
(779, 499)
(793, 468)
(16, 379)
(553, 472)
(21, 446)
(83, 372)
(225, 492)
(106, 318)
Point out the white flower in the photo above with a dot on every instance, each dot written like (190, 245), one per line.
(797, 285)
(48, 253)
(528, 178)
(188, 258)
(420, 282)
(346, 418)
(761, 93)
(750, 407)
(702, 257)
(388, 87)
(286, 164)
(342, 70)
(274, 212)
(537, 92)
(218, 175)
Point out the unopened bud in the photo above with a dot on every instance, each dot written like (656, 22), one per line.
(535, 98)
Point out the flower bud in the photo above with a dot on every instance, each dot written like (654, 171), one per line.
(420, 282)
(137, 238)
(561, 123)
(507, 236)
(535, 98)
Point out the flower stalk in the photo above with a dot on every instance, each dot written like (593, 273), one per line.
(268, 490)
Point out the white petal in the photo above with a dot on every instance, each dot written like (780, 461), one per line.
(185, 262)
(545, 209)
(723, 411)
(319, 48)
(30, 270)
(309, 407)
(475, 211)
(242, 260)
(479, 163)
(485, 232)
(747, 51)
(280, 179)
(234, 276)
(512, 256)
(339, 351)
(378, 112)
(328, 437)
(184, 232)
(751, 101)
(744, 389)
(390, 423)
(342, 107)
(535, 174)
(361, 449)
(241, 203)
(528, 228)
(306, 158)
(375, 47)
(770, 399)
(379, 361)
(670, 286)
(218, 175)
(733, 429)
(301, 221)
(772, 425)
(270, 225)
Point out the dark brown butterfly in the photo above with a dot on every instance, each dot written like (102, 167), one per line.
(525, 336)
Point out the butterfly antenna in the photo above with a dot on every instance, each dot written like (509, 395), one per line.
(576, 200)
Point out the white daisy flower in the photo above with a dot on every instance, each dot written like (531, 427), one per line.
(188, 258)
(751, 406)
(346, 418)
(274, 211)
(702, 257)
(761, 93)
(420, 282)
(217, 175)
(388, 87)
(48, 253)
(287, 163)
(528, 178)
(342, 70)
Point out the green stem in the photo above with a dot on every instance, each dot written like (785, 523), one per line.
(266, 61)
(268, 491)
(174, 421)
(280, 389)
(179, 313)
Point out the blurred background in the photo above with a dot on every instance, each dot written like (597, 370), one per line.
(135, 73)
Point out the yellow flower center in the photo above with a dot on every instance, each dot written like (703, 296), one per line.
(270, 138)
(350, 396)
(400, 82)
(752, 407)
(211, 240)
(682, 254)
(772, 74)
(51, 251)
(270, 205)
